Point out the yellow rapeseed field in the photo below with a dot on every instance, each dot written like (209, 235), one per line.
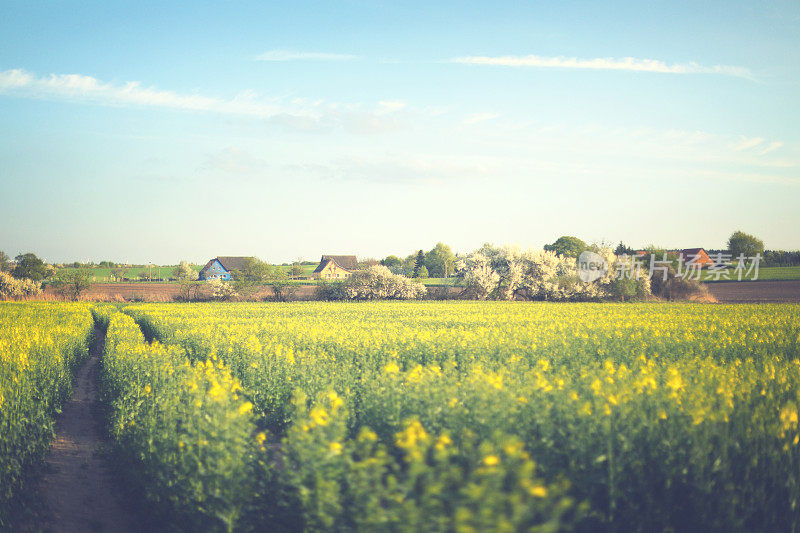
(508, 416)
(40, 345)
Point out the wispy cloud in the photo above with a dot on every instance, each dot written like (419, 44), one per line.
(291, 55)
(604, 63)
(86, 88)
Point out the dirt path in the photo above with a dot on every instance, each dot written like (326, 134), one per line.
(78, 489)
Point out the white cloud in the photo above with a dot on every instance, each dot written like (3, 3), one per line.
(604, 63)
(748, 143)
(79, 87)
(390, 106)
(295, 113)
(290, 55)
(770, 147)
(474, 118)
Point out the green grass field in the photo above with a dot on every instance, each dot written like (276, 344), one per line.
(766, 274)
(103, 275)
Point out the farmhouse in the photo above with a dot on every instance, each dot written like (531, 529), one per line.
(335, 267)
(697, 256)
(221, 267)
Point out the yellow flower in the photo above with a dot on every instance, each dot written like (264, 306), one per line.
(335, 448)
(147, 390)
(319, 416)
(335, 401)
(261, 437)
(495, 380)
(367, 434)
(491, 460)
(675, 382)
(513, 449)
(413, 433)
(216, 390)
(246, 407)
(443, 442)
(391, 368)
(539, 491)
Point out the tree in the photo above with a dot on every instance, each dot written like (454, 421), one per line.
(29, 266)
(567, 246)
(282, 287)
(188, 287)
(296, 270)
(742, 243)
(440, 261)
(221, 290)
(418, 263)
(119, 273)
(409, 264)
(4, 259)
(623, 249)
(253, 275)
(11, 287)
(185, 271)
(393, 263)
(422, 272)
(71, 282)
(378, 283)
(509, 272)
(368, 262)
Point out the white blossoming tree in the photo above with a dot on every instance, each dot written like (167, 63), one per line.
(221, 290)
(509, 272)
(11, 287)
(378, 283)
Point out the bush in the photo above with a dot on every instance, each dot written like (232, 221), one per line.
(378, 283)
(330, 290)
(675, 287)
(71, 282)
(509, 272)
(11, 287)
(222, 290)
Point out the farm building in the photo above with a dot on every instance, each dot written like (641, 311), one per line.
(335, 267)
(221, 267)
(697, 256)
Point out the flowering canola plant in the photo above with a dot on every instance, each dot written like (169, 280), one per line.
(40, 346)
(511, 415)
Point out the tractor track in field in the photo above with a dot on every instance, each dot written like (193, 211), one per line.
(79, 490)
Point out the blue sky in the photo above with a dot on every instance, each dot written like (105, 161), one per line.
(147, 132)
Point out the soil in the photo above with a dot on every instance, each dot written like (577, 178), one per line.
(79, 490)
(729, 292)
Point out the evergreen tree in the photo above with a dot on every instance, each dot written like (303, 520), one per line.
(420, 262)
